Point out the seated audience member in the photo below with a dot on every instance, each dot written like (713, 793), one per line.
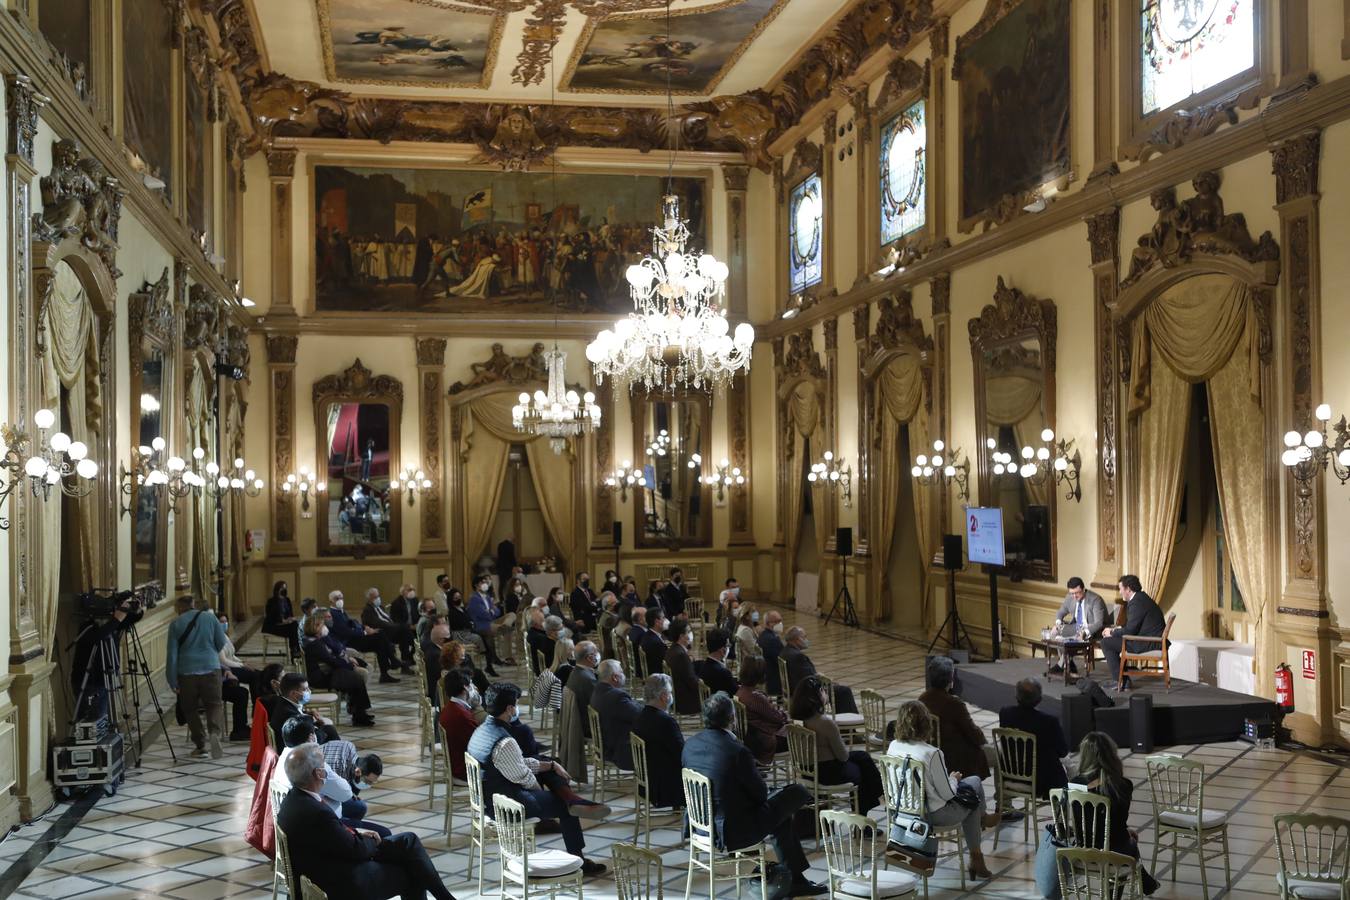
(337, 792)
(1051, 747)
(539, 640)
(454, 656)
(654, 589)
(771, 647)
(517, 595)
(362, 637)
(611, 583)
(799, 666)
(630, 596)
(654, 645)
(914, 738)
(280, 619)
(835, 763)
(292, 695)
(728, 597)
(713, 668)
(747, 633)
(424, 622)
(609, 618)
(307, 606)
(457, 719)
(583, 679)
(548, 686)
(675, 596)
(655, 725)
(346, 864)
(680, 666)
(637, 632)
(961, 740)
(553, 606)
(488, 621)
(406, 610)
(461, 626)
(765, 724)
(238, 687)
(585, 605)
(1099, 767)
(328, 670)
(747, 812)
(617, 712)
(1143, 618)
(325, 616)
(377, 617)
(508, 772)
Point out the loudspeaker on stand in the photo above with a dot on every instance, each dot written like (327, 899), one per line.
(843, 541)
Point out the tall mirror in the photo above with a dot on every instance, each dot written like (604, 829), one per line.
(672, 442)
(1013, 343)
(357, 424)
(150, 332)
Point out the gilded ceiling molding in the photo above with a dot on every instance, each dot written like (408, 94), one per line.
(501, 368)
(904, 76)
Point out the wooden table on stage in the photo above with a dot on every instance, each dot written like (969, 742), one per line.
(1073, 649)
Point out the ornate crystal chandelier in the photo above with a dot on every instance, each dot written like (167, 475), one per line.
(677, 335)
(558, 413)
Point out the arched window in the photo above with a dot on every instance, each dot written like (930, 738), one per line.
(1189, 46)
(904, 189)
(806, 214)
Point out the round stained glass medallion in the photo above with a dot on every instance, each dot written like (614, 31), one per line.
(902, 163)
(806, 218)
(1181, 20)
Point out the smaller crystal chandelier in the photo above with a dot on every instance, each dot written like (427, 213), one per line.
(832, 472)
(559, 413)
(930, 470)
(1308, 455)
(1051, 460)
(55, 461)
(724, 476)
(304, 484)
(410, 481)
(624, 477)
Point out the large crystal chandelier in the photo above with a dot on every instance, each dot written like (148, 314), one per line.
(558, 413)
(677, 335)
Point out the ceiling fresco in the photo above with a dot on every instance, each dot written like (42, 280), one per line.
(408, 42)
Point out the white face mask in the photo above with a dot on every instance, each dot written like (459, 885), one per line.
(777, 627)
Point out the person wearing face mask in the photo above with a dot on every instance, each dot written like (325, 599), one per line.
(327, 669)
(292, 694)
(654, 645)
(279, 618)
(192, 669)
(440, 597)
(405, 610)
(770, 648)
(799, 666)
(377, 617)
(680, 665)
(728, 599)
(747, 633)
(585, 609)
(457, 717)
(517, 595)
(674, 595)
(612, 583)
(507, 771)
(488, 620)
(713, 668)
(609, 618)
(337, 792)
(617, 712)
(237, 686)
(363, 638)
(344, 863)
(665, 743)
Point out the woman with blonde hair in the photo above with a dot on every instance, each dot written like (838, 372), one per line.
(952, 798)
(747, 634)
(548, 684)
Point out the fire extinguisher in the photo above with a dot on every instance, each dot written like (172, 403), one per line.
(1284, 688)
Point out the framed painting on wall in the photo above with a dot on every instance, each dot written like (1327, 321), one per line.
(409, 42)
(482, 241)
(147, 119)
(1014, 70)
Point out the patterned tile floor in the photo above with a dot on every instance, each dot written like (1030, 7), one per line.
(174, 830)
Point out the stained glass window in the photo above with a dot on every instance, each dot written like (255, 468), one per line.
(1191, 45)
(904, 189)
(805, 224)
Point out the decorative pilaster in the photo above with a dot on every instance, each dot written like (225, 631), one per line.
(1104, 242)
(736, 179)
(430, 369)
(828, 256)
(831, 329)
(281, 375)
(939, 46)
(940, 291)
(862, 530)
(738, 439)
(281, 174)
(1295, 163)
(1103, 86)
(603, 534)
(783, 451)
(867, 164)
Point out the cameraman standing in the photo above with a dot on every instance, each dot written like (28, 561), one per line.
(193, 671)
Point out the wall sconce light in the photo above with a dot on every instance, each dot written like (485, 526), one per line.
(54, 461)
(624, 477)
(725, 476)
(238, 480)
(304, 484)
(832, 472)
(935, 469)
(1308, 455)
(409, 481)
(146, 471)
(660, 446)
(1051, 459)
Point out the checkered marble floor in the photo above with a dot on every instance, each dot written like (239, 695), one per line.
(175, 829)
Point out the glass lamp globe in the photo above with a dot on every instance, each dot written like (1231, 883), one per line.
(1292, 438)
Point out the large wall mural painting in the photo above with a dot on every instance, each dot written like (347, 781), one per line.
(634, 55)
(478, 241)
(408, 42)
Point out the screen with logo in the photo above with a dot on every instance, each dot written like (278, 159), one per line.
(984, 535)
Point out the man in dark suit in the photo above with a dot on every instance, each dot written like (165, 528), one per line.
(745, 813)
(771, 645)
(654, 646)
(1051, 747)
(799, 666)
(713, 669)
(585, 608)
(680, 667)
(617, 712)
(377, 617)
(655, 725)
(674, 595)
(363, 638)
(348, 864)
(638, 630)
(1143, 618)
(583, 679)
(542, 637)
(292, 694)
(506, 561)
(406, 608)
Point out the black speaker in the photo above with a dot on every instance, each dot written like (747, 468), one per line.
(1141, 723)
(843, 541)
(618, 533)
(951, 552)
(1075, 716)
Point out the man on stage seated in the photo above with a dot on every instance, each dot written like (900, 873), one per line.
(1082, 616)
(1143, 618)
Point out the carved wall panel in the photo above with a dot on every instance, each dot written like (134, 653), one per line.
(281, 369)
(604, 464)
(738, 439)
(430, 365)
(1104, 241)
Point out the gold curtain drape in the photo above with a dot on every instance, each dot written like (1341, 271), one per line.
(1013, 399)
(553, 474)
(899, 403)
(1162, 445)
(201, 551)
(70, 367)
(804, 422)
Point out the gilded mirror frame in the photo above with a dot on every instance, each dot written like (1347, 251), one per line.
(357, 384)
(1014, 317)
(152, 327)
(640, 403)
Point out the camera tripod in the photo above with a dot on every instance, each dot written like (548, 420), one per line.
(849, 616)
(110, 677)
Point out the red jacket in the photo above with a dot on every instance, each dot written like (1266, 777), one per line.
(257, 743)
(457, 724)
(259, 832)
